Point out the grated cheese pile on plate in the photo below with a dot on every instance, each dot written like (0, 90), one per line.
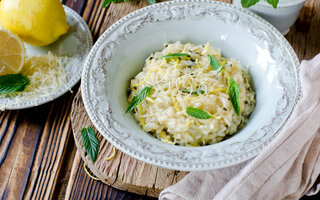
(190, 81)
(47, 75)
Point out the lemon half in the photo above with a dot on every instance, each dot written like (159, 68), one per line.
(12, 53)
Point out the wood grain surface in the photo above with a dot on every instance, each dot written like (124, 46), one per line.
(32, 149)
(122, 172)
(38, 157)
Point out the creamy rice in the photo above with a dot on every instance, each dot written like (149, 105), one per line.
(183, 82)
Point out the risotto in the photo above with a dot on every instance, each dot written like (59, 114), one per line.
(190, 95)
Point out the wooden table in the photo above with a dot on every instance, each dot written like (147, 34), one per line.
(38, 158)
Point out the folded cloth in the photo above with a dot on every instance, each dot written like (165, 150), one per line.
(287, 168)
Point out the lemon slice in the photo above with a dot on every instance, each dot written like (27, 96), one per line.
(12, 53)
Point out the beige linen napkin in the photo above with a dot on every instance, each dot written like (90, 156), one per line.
(288, 168)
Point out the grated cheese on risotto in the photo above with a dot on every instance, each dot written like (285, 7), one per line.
(179, 82)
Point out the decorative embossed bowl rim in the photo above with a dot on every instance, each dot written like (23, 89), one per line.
(120, 52)
(75, 45)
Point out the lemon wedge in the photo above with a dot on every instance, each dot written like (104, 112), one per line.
(12, 53)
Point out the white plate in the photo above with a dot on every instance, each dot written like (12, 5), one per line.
(120, 54)
(75, 44)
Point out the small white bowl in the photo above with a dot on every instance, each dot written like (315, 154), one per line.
(283, 17)
(120, 54)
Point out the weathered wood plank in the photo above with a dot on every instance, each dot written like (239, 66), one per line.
(31, 149)
(65, 171)
(304, 35)
(8, 150)
(21, 152)
(57, 130)
(80, 186)
(38, 137)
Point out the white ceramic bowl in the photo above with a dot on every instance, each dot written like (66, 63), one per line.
(283, 17)
(120, 53)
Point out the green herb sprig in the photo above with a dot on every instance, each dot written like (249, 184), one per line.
(175, 55)
(197, 113)
(214, 63)
(234, 92)
(13, 83)
(139, 97)
(106, 3)
(90, 142)
(249, 3)
(198, 92)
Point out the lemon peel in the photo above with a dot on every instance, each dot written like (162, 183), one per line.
(87, 172)
(37, 22)
(114, 151)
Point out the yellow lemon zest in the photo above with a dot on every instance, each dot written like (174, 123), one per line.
(114, 151)
(143, 123)
(194, 145)
(148, 75)
(166, 141)
(149, 99)
(153, 70)
(206, 46)
(175, 141)
(175, 104)
(193, 98)
(162, 62)
(188, 123)
(176, 62)
(223, 62)
(223, 70)
(163, 135)
(218, 89)
(184, 48)
(214, 116)
(198, 64)
(91, 176)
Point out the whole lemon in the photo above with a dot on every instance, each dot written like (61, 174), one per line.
(37, 22)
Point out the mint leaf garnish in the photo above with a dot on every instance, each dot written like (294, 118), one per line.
(106, 3)
(90, 142)
(249, 3)
(13, 83)
(151, 2)
(274, 3)
(175, 55)
(195, 93)
(214, 63)
(185, 90)
(139, 97)
(197, 113)
(234, 92)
